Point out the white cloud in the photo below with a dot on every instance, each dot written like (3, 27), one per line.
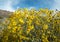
(8, 4)
(56, 5)
(31, 8)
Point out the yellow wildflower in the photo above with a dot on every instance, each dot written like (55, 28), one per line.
(14, 23)
(9, 27)
(23, 37)
(21, 20)
(45, 26)
(37, 23)
(30, 28)
(14, 29)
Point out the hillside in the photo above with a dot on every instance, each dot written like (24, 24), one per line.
(4, 13)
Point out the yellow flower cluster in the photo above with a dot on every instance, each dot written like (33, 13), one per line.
(25, 25)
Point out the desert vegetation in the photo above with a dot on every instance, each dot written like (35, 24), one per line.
(33, 25)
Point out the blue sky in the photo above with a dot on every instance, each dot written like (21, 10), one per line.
(12, 5)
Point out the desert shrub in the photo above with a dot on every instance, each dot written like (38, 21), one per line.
(32, 26)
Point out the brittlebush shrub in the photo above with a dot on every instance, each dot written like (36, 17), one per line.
(31, 26)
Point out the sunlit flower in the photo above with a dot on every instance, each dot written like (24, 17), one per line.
(26, 25)
(30, 28)
(45, 26)
(21, 20)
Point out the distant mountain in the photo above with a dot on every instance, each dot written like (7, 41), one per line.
(4, 13)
